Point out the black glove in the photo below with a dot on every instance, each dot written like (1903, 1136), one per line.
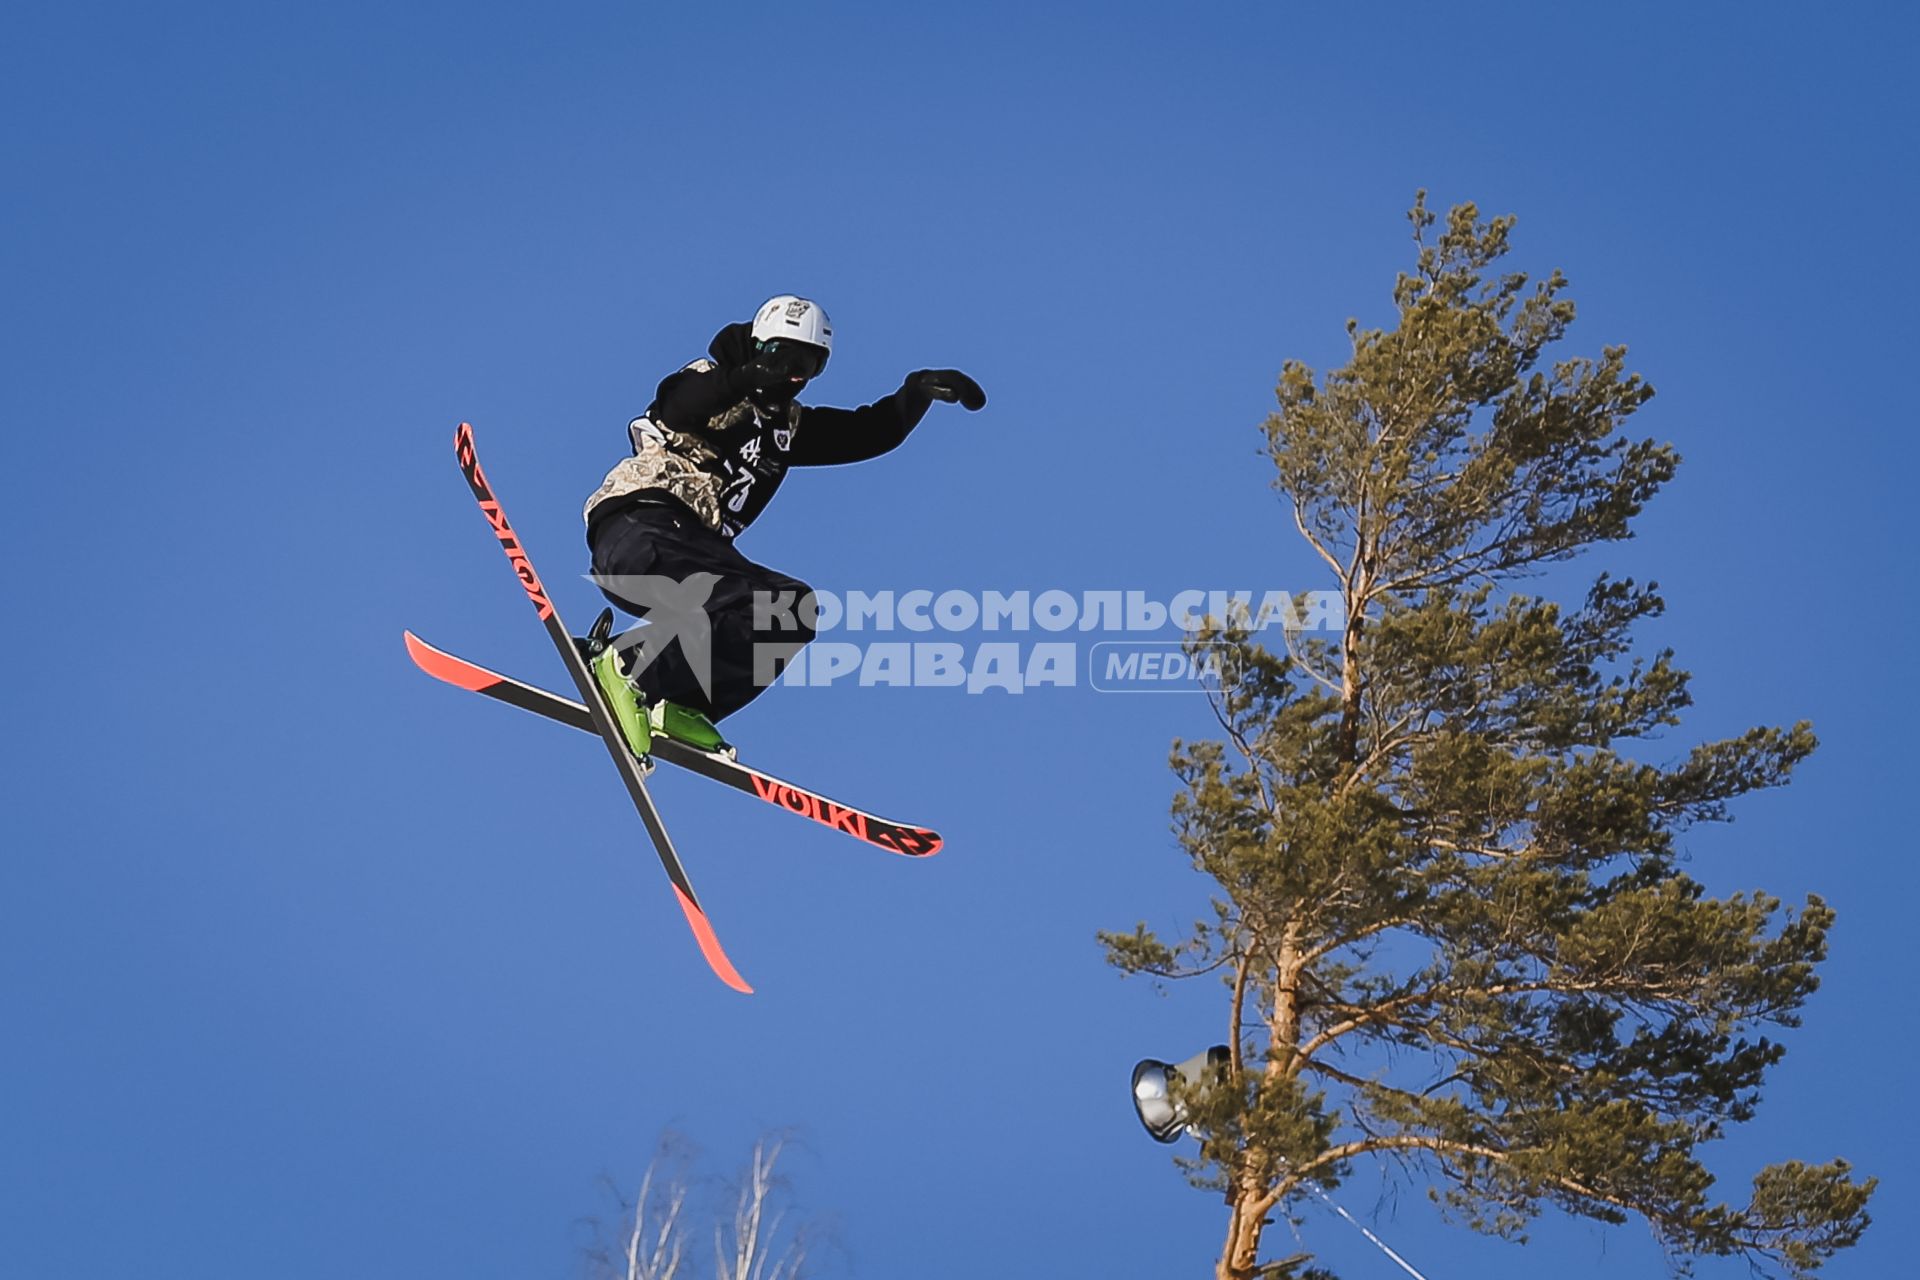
(732, 346)
(950, 385)
(733, 350)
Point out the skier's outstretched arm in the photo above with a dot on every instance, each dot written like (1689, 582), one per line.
(828, 437)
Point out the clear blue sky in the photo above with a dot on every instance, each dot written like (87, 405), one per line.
(314, 966)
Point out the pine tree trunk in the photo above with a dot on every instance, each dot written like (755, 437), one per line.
(1350, 680)
(1251, 1195)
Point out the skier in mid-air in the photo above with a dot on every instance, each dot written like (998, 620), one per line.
(707, 456)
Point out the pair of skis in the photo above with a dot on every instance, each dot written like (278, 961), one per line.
(591, 715)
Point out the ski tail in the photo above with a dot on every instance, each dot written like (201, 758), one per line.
(465, 675)
(709, 942)
(594, 704)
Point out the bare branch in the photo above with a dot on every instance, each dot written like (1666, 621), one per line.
(749, 1247)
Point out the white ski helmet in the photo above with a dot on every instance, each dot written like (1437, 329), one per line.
(797, 319)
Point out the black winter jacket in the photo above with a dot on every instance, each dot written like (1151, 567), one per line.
(705, 443)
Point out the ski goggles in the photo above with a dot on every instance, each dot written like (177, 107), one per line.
(790, 358)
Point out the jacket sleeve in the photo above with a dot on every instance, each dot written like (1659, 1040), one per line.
(688, 400)
(828, 437)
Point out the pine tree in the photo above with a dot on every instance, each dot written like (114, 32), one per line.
(1450, 909)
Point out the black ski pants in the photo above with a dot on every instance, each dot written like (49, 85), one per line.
(658, 562)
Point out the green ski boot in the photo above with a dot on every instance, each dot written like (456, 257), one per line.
(624, 700)
(684, 724)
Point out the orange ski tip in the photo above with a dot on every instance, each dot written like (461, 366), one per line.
(710, 944)
(444, 666)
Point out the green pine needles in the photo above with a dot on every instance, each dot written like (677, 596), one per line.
(1449, 906)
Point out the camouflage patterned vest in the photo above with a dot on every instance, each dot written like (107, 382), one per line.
(724, 475)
